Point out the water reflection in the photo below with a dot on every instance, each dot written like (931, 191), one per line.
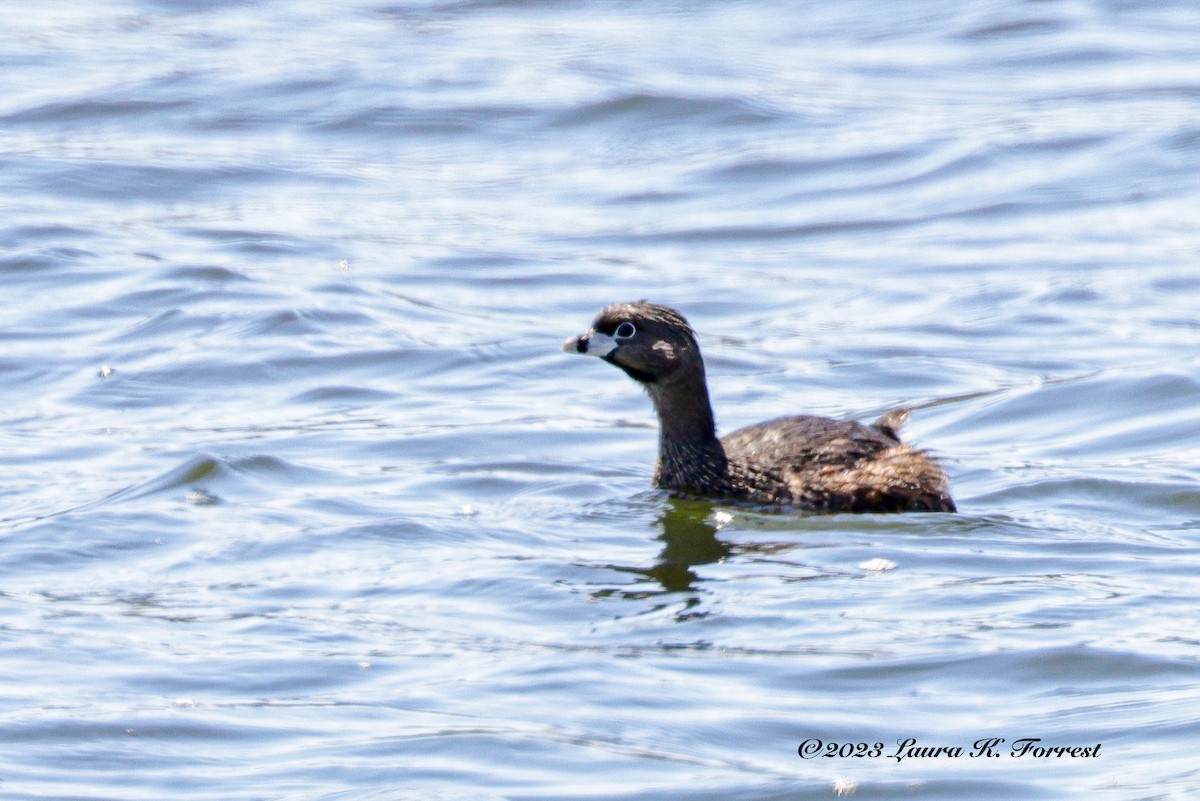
(689, 539)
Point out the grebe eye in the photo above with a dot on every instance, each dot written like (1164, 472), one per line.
(625, 331)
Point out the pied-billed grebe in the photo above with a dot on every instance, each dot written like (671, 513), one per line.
(803, 461)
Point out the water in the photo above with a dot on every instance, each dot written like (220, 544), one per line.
(302, 501)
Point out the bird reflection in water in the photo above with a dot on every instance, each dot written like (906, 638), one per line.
(689, 538)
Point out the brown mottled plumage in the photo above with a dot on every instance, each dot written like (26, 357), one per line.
(803, 461)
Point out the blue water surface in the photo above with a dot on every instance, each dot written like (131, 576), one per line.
(302, 501)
